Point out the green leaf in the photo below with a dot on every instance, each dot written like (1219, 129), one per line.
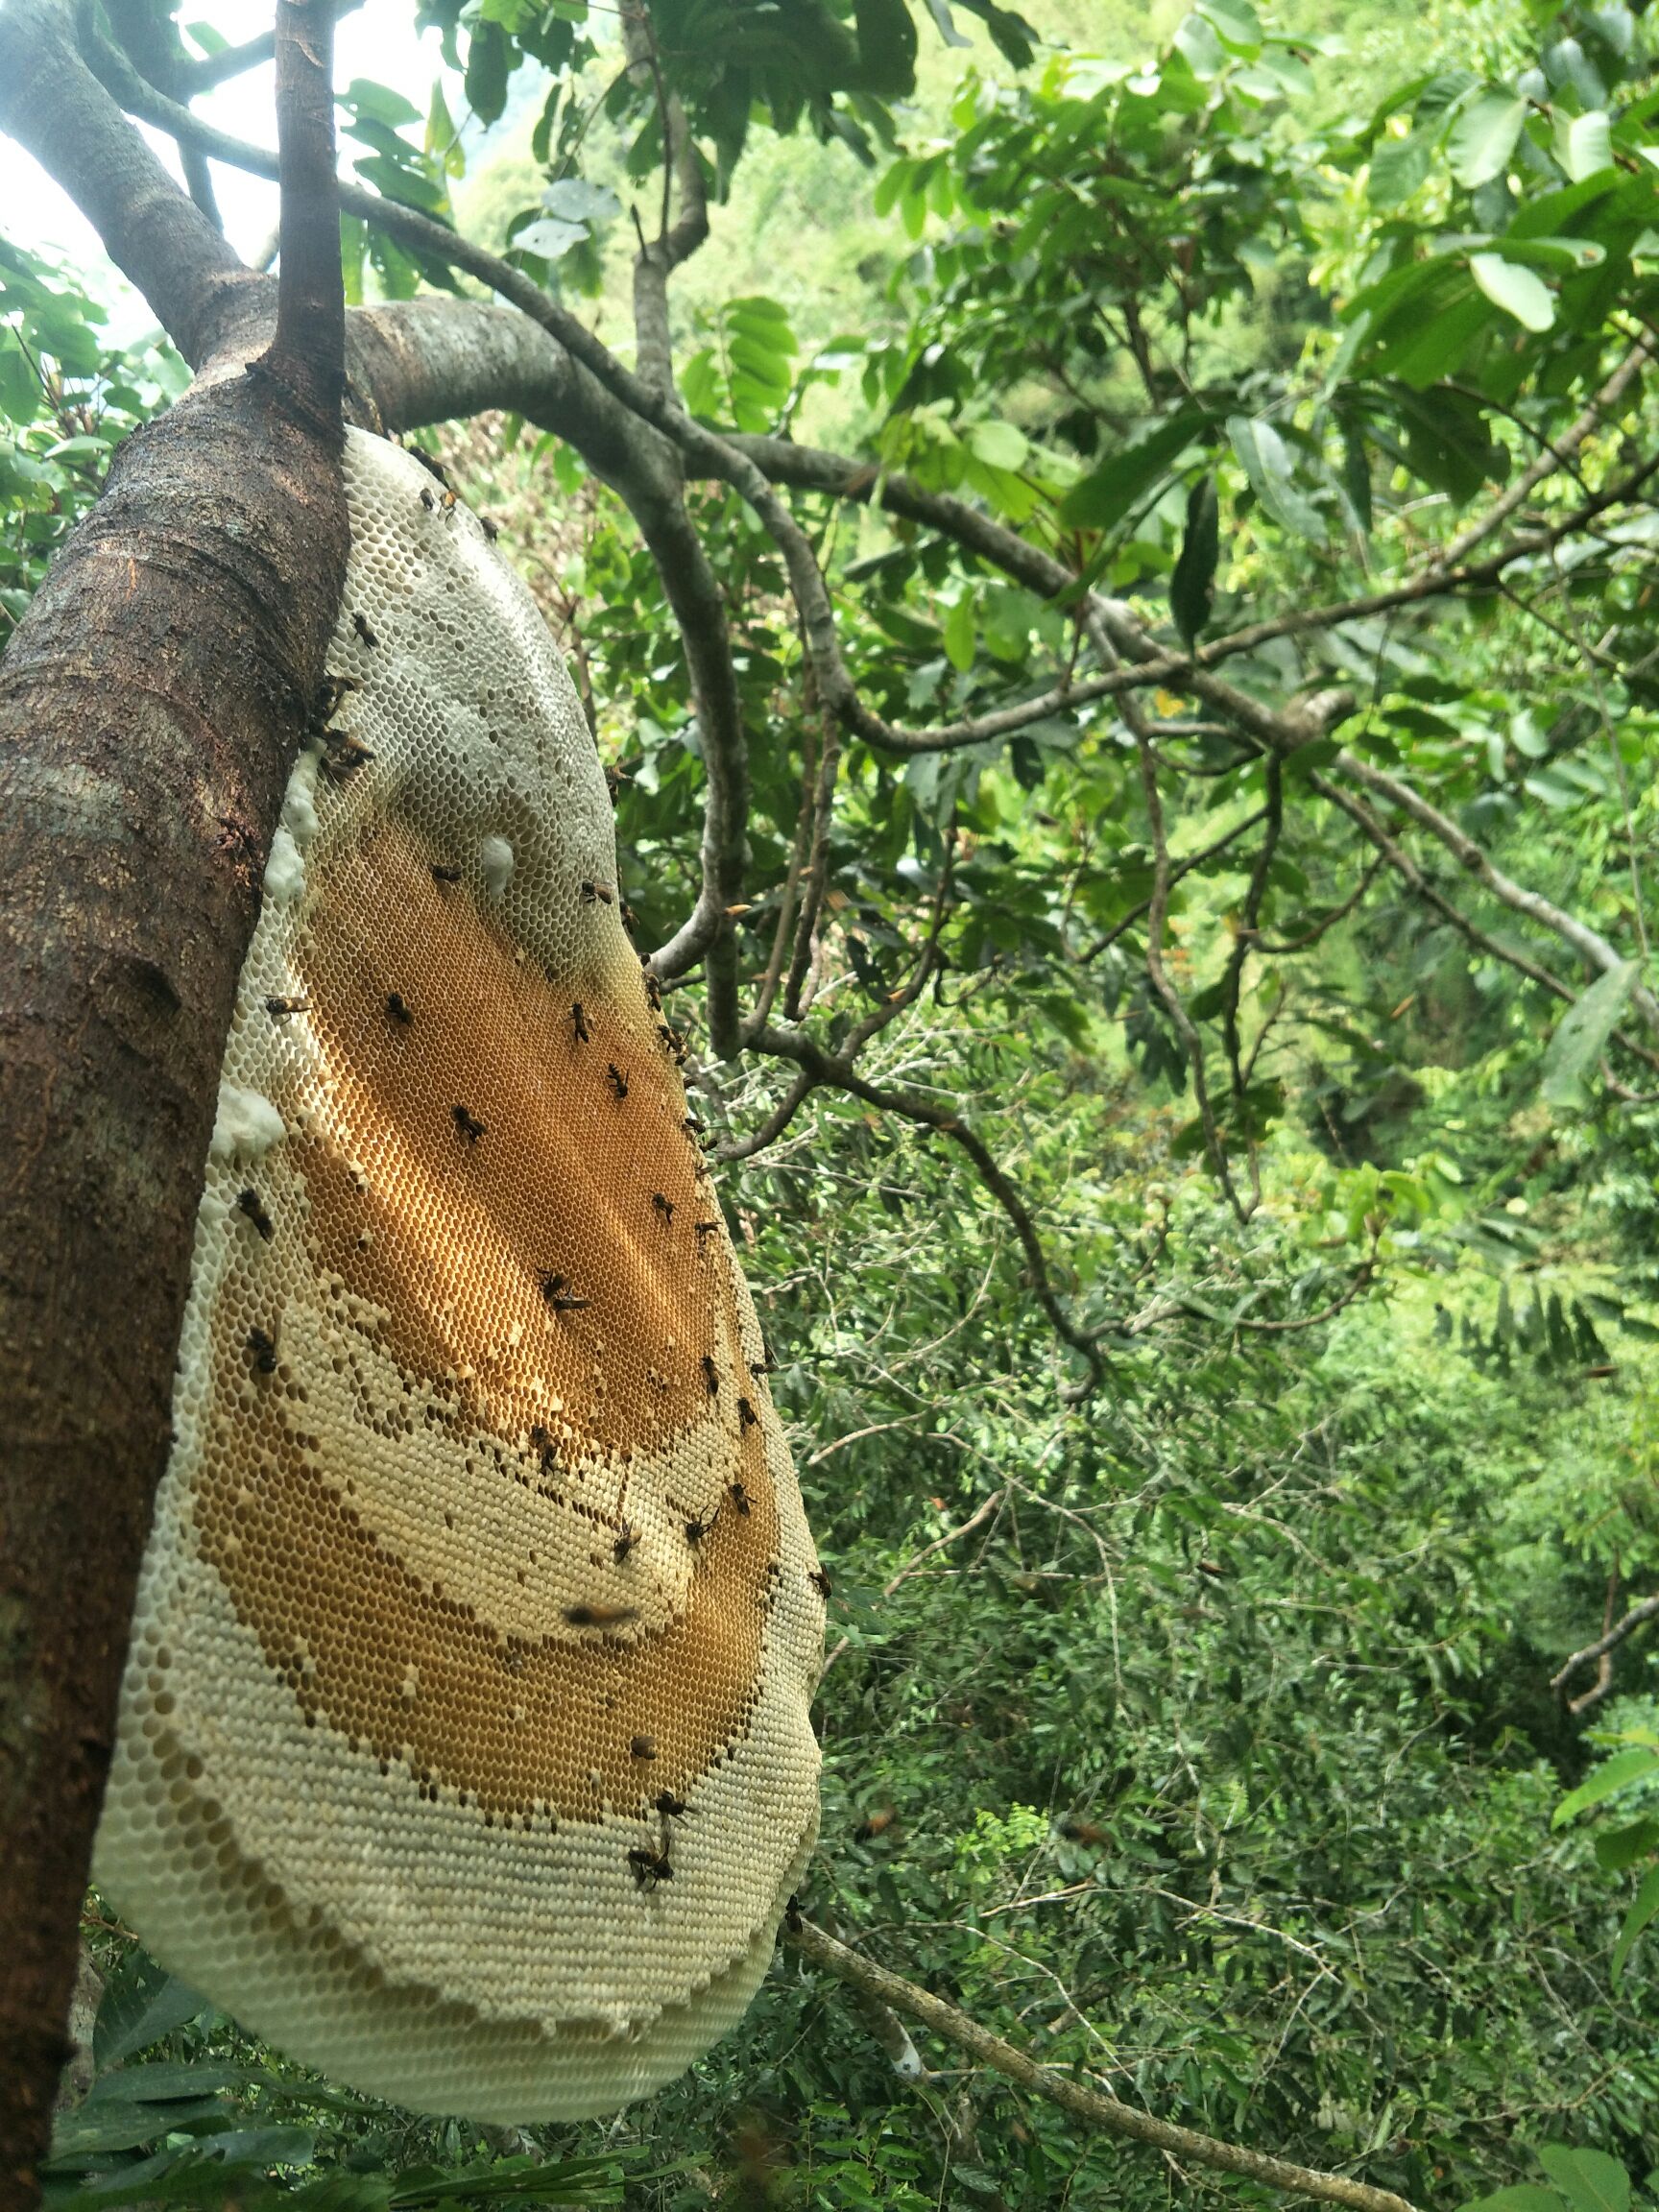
(1108, 492)
(364, 98)
(488, 62)
(1621, 1847)
(1581, 1036)
(1623, 1770)
(1237, 21)
(886, 47)
(574, 199)
(999, 444)
(142, 2003)
(1266, 462)
(1484, 138)
(1638, 1918)
(1519, 2197)
(1398, 166)
(1590, 2180)
(547, 238)
(1192, 586)
(1588, 146)
(112, 2125)
(1515, 289)
(959, 633)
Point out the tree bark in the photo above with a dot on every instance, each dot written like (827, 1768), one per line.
(152, 702)
(151, 705)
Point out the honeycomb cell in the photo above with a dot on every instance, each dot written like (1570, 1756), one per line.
(480, 1531)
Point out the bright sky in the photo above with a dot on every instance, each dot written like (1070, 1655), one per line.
(377, 41)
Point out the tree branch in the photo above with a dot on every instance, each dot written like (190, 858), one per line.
(834, 1071)
(151, 40)
(1589, 944)
(1637, 1617)
(308, 353)
(1092, 2106)
(51, 102)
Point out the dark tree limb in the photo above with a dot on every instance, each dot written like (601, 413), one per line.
(1638, 1617)
(212, 69)
(51, 102)
(151, 40)
(1092, 2106)
(308, 353)
(152, 702)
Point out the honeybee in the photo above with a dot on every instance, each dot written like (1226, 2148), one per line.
(627, 1536)
(279, 1007)
(398, 1009)
(264, 1351)
(360, 623)
(470, 1128)
(650, 1867)
(619, 1081)
(589, 1616)
(248, 1202)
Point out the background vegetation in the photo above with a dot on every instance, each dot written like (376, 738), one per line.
(1197, 1732)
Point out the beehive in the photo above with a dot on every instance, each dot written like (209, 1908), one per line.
(465, 1750)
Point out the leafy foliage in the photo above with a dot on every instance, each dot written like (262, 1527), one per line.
(1197, 1734)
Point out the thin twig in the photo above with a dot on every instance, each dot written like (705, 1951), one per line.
(975, 1520)
(1091, 2105)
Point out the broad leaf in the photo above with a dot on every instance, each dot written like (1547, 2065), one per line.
(1484, 138)
(1581, 1036)
(1518, 291)
(1625, 1767)
(1589, 2179)
(1106, 495)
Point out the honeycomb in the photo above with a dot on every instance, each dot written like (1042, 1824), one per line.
(465, 1748)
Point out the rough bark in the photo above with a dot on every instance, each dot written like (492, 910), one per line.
(151, 704)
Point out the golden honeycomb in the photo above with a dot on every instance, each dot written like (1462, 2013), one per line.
(464, 1748)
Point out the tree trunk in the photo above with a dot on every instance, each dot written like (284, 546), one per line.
(151, 705)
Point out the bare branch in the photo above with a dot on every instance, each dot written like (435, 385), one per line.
(834, 1071)
(1157, 911)
(1178, 868)
(202, 76)
(1589, 944)
(1091, 2105)
(1558, 454)
(912, 1566)
(151, 40)
(308, 353)
(1637, 1617)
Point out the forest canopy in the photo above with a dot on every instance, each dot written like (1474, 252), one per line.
(1108, 557)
